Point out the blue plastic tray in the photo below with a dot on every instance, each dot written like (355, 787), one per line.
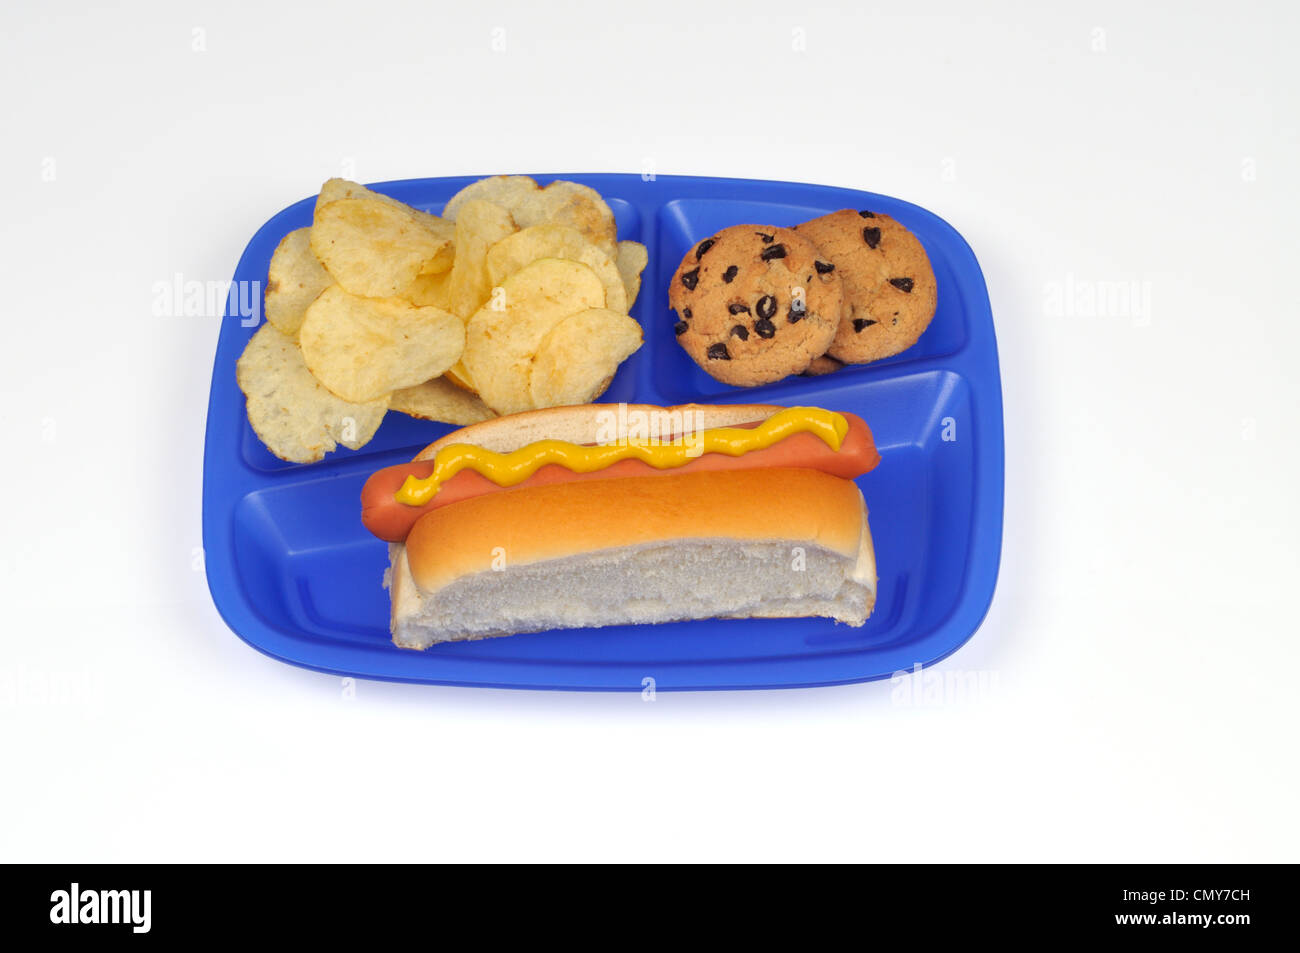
(295, 575)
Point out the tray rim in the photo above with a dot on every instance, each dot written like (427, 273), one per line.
(979, 582)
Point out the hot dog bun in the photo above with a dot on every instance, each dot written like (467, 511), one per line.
(588, 424)
(772, 542)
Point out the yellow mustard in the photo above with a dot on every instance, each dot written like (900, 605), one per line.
(509, 469)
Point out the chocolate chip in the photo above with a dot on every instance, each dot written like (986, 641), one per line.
(680, 328)
(738, 308)
(866, 214)
(823, 267)
(686, 313)
(718, 352)
(730, 274)
(773, 251)
(703, 247)
(860, 323)
(691, 278)
(764, 328)
(871, 236)
(798, 311)
(766, 306)
(902, 284)
(741, 332)
(767, 239)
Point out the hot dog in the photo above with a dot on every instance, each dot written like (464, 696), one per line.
(391, 520)
(561, 518)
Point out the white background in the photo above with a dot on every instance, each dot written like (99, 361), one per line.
(1140, 659)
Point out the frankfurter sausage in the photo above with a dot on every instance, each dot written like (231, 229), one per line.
(392, 520)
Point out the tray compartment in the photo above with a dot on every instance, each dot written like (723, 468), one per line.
(306, 563)
(684, 223)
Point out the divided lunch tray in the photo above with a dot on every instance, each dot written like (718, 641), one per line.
(295, 575)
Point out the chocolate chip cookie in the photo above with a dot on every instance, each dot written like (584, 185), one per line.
(755, 304)
(821, 366)
(889, 287)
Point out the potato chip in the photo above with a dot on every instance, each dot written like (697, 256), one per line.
(429, 291)
(578, 357)
(560, 203)
(631, 260)
(294, 280)
(479, 225)
(502, 336)
(364, 348)
(370, 247)
(435, 291)
(555, 241)
(459, 376)
(506, 191)
(572, 204)
(445, 231)
(441, 400)
(290, 411)
(336, 189)
(442, 262)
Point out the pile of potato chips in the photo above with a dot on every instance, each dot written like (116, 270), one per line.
(516, 299)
